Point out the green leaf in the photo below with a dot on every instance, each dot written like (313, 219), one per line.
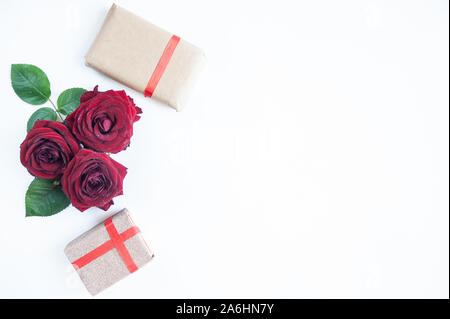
(30, 83)
(45, 198)
(44, 113)
(69, 100)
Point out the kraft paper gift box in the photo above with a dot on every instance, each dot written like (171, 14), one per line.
(108, 252)
(146, 58)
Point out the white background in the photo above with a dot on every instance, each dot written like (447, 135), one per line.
(311, 161)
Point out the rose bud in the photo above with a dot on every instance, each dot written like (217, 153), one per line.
(104, 121)
(48, 149)
(93, 179)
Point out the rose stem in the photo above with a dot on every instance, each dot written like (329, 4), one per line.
(56, 110)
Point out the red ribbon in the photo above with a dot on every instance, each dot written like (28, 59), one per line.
(117, 241)
(161, 66)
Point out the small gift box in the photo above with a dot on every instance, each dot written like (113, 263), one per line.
(146, 58)
(108, 252)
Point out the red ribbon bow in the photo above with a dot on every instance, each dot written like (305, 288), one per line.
(117, 241)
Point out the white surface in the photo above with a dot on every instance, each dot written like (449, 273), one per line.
(312, 160)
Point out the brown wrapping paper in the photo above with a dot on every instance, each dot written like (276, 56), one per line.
(128, 48)
(109, 268)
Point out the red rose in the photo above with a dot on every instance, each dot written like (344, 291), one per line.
(93, 179)
(104, 120)
(48, 149)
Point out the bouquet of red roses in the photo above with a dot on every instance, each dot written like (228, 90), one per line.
(67, 147)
